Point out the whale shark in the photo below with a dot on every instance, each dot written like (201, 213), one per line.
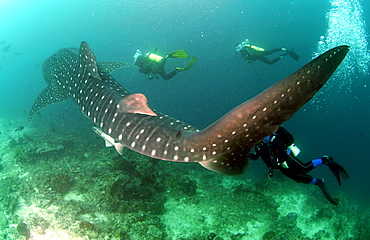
(126, 120)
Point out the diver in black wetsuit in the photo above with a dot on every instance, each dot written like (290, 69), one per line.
(279, 152)
(253, 53)
(152, 64)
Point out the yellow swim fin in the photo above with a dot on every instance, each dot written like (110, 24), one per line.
(179, 54)
(190, 64)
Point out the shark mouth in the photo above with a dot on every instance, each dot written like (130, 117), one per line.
(125, 120)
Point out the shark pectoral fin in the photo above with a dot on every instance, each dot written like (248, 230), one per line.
(109, 141)
(119, 147)
(111, 66)
(50, 95)
(136, 103)
(232, 163)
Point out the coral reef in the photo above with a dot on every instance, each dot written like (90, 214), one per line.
(56, 187)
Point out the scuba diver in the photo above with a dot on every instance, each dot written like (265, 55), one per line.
(253, 53)
(152, 64)
(279, 152)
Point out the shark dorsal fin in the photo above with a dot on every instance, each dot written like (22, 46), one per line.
(87, 66)
(136, 103)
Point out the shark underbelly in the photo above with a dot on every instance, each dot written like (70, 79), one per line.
(158, 136)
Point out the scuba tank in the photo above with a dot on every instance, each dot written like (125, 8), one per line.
(294, 149)
(154, 57)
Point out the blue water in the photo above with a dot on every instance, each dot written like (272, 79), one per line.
(219, 81)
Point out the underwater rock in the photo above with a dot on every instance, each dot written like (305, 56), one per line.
(86, 225)
(322, 234)
(3, 220)
(138, 186)
(181, 185)
(134, 194)
(12, 143)
(212, 236)
(18, 129)
(269, 235)
(23, 230)
(324, 214)
(60, 183)
(49, 148)
(290, 220)
(38, 224)
(237, 236)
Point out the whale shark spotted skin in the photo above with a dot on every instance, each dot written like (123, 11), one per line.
(125, 120)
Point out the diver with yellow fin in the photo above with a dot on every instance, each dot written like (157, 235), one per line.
(153, 64)
(253, 53)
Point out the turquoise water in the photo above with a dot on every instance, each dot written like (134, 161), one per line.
(58, 180)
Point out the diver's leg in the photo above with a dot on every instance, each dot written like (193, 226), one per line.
(321, 184)
(268, 61)
(297, 165)
(272, 51)
(262, 55)
(166, 76)
(296, 176)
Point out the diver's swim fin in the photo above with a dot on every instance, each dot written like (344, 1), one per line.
(178, 54)
(320, 183)
(190, 64)
(338, 171)
(293, 55)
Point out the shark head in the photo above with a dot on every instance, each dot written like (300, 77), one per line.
(125, 120)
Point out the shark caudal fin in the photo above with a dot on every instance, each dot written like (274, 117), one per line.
(231, 138)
